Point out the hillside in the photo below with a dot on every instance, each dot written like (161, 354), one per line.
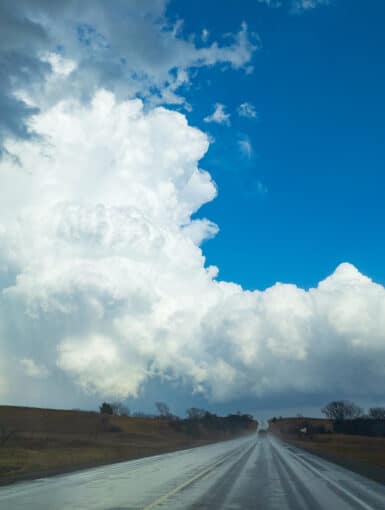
(36, 442)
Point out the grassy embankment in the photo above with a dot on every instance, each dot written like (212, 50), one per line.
(47, 441)
(365, 455)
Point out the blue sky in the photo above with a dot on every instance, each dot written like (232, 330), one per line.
(318, 144)
(192, 203)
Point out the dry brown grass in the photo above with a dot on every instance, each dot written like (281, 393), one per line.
(370, 450)
(46, 441)
(292, 425)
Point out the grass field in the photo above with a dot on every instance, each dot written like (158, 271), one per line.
(46, 441)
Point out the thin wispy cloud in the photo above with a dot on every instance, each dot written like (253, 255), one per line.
(306, 5)
(247, 110)
(272, 3)
(246, 147)
(33, 369)
(260, 188)
(205, 35)
(295, 6)
(219, 115)
(254, 188)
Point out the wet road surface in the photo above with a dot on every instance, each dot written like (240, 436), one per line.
(248, 473)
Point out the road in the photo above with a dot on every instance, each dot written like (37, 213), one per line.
(248, 473)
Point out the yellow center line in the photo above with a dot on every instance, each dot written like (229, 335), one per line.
(183, 485)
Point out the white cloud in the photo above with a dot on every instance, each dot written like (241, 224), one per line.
(103, 241)
(32, 369)
(103, 280)
(306, 5)
(59, 64)
(130, 48)
(96, 362)
(247, 110)
(271, 3)
(295, 6)
(219, 115)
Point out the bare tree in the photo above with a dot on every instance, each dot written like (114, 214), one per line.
(377, 413)
(163, 409)
(120, 409)
(340, 410)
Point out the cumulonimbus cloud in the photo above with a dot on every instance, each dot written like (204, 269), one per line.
(103, 278)
(130, 48)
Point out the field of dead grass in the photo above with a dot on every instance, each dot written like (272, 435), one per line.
(45, 441)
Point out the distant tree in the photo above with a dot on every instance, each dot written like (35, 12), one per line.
(120, 409)
(124, 411)
(340, 410)
(377, 413)
(163, 409)
(106, 408)
(195, 413)
(141, 414)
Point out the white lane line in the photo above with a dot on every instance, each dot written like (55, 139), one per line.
(339, 488)
(185, 484)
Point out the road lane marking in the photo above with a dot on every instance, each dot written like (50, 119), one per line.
(339, 488)
(185, 484)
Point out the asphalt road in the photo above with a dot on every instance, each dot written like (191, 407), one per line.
(248, 473)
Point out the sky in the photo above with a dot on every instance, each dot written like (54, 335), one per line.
(192, 204)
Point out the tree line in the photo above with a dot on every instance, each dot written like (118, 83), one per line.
(345, 417)
(196, 418)
(349, 418)
(341, 410)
